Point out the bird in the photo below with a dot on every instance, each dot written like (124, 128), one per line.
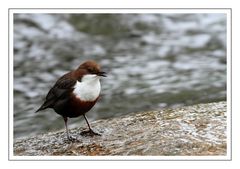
(75, 93)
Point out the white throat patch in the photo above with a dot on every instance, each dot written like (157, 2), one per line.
(88, 89)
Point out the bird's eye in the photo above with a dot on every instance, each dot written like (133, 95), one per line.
(91, 70)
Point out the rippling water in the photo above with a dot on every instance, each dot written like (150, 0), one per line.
(153, 61)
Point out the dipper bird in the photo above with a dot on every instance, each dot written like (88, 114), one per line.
(75, 93)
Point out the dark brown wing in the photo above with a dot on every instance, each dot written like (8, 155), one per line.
(59, 91)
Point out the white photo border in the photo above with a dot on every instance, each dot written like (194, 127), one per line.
(227, 11)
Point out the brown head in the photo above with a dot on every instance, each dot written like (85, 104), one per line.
(90, 67)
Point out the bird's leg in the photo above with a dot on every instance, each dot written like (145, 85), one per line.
(90, 131)
(66, 125)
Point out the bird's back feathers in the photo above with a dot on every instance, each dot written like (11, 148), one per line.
(58, 92)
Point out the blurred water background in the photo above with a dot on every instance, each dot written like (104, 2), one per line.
(154, 61)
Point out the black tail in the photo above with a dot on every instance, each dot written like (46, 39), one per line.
(41, 108)
(44, 106)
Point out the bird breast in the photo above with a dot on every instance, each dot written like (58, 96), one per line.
(87, 89)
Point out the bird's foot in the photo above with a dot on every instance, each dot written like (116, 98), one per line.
(71, 139)
(89, 133)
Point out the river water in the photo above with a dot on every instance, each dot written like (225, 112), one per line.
(154, 61)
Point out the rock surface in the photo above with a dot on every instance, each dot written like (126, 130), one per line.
(192, 130)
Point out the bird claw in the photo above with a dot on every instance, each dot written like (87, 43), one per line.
(71, 139)
(89, 133)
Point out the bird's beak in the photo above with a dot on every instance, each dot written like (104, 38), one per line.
(102, 74)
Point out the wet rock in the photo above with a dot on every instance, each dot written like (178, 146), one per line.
(192, 130)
